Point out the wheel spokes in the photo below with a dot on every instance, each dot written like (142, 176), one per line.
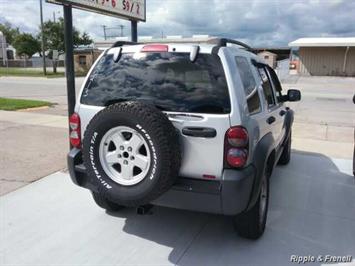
(127, 171)
(111, 157)
(117, 139)
(123, 157)
(141, 162)
(135, 142)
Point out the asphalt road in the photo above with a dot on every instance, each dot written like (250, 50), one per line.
(54, 222)
(325, 100)
(47, 89)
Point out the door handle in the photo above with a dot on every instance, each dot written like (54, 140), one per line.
(282, 113)
(202, 132)
(271, 120)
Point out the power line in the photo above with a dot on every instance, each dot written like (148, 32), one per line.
(106, 29)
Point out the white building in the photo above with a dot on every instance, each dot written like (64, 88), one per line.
(326, 56)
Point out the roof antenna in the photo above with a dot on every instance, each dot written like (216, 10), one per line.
(117, 54)
(194, 53)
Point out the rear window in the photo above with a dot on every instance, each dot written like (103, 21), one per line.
(168, 80)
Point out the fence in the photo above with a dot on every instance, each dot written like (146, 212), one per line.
(30, 63)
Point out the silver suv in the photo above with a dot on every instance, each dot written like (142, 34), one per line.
(196, 125)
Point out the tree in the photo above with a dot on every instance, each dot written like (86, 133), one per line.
(26, 44)
(54, 36)
(9, 32)
(85, 39)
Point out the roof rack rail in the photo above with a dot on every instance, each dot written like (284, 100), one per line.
(225, 41)
(122, 43)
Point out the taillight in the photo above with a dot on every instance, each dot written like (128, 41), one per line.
(74, 124)
(237, 157)
(236, 147)
(237, 136)
(155, 48)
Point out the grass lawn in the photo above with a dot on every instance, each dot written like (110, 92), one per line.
(27, 72)
(17, 104)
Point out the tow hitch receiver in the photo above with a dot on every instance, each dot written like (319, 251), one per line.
(145, 209)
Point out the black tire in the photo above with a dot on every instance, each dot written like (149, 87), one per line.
(162, 141)
(105, 203)
(286, 153)
(251, 224)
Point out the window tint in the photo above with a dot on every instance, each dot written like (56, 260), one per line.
(267, 87)
(168, 80)
(275, 81)
(249, 84)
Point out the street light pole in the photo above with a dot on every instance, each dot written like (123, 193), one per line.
(43, 50)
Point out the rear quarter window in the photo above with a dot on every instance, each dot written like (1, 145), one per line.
(249, 84)
(168, 80)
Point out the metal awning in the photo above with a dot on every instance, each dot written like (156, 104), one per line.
(323, 42)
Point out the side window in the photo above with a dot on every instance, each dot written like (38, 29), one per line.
(275, 81)
(249, 85)
(267, 88)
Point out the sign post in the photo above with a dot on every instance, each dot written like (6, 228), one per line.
(69, 58)
(134, 31)
(133, 10)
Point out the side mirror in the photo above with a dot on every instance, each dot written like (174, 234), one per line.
(293, 95)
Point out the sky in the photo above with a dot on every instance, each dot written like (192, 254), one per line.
(260, 23)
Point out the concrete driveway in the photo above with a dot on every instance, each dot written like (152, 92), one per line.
(53, 222)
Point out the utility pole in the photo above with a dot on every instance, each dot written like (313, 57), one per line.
(104, 28)
(54, 17)
(43, 50)
(121, 26)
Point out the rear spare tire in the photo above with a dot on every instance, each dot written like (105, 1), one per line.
(132, 152)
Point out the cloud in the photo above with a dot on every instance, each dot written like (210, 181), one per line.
(259, 22)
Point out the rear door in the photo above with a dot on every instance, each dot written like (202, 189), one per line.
(281, 111)
(273, 119)
(194, 96)
(202, 140)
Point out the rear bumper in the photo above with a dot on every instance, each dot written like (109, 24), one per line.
(228, 196)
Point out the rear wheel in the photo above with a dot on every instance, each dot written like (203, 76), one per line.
(105, 203)
(251, 224)
(286, 153)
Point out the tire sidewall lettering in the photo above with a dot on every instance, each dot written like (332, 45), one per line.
(152, 148)
(93, 164)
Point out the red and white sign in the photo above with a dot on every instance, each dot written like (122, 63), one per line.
(126, 9)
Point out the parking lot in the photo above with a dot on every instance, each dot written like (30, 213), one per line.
(53, 222)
